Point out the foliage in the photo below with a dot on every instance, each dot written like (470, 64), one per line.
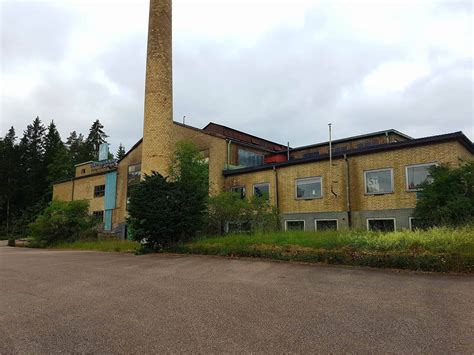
(28, 169)
(166, 210)
(95, 138)
(449, 198)
(437, 249)
(120, 152)
(62, 222)
(228, 209)
(109, 245)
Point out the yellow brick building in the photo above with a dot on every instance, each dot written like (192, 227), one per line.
(371, 183)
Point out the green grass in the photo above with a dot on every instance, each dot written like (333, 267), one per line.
(122, 246)
(437, 249)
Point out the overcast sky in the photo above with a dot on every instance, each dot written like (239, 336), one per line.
(280, 69)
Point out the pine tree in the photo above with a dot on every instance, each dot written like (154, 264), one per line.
(95, 138)
(120, 152)
(75, 144)
(52, 144)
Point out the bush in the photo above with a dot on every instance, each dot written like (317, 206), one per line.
(164, 211)
(63, 222)
(229, 209)
(449, 198)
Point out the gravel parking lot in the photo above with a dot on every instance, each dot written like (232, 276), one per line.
(69, 301)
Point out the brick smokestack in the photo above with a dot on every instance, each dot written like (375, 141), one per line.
(158, 143)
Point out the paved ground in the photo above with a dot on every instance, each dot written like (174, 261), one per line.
(64, 301)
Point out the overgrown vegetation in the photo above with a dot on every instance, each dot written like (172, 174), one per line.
(63, 222)
(109, 245)
(30, 165)
(449, 198)
(437, 249)
(166, 210)
(229, 212)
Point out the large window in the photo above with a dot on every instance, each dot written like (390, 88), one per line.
(99, 190)
(325, 224)
(248, 158)
(294, 225)
(239, 190)
(262, 190)
(418, 174)
(378, 181)
(381, 224)
(309, 188)
(99, 215)
(134, 173)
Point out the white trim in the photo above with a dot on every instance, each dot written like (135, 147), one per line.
(261, 184)
(232, 189)
(415, 166)
(308, 178)
(325, 219)
(383, 218)
(295, 220)
(374, 171)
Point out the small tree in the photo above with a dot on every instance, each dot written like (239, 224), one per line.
(63, 221)
(167, 210)
(120, 152)
(449, 198)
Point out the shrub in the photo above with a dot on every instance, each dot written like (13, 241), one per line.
(255, 214)
(63, 222)
(449, 198)
(166, 210)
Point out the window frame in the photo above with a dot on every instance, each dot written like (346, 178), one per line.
(128, 174)
(232, 189)
(295, 220)
(102, 192)
(414, 166)
(325, 220)
(261, 184)
(379, 193)
(309, 178)
(382, 219)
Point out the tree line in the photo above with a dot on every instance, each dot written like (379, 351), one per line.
(31, 164)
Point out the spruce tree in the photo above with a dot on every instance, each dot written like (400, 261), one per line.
(95, 138)
(75, 144)
(120, 152)
(52, 144)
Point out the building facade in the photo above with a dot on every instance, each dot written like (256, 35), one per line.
(367, 182)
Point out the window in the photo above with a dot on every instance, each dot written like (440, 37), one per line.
(294, 225)
(247, 158)
(309, 188)
(311, 155)
(262, 190)
(134, 173)
(240, 190)
(378, 181)
(99, 190)
(99, 215)
(418, 174)
(83, 171)
(326, 224)
(381, 224)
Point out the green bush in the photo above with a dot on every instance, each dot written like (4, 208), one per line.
(62, 222)
(164, 211)
(449, 198)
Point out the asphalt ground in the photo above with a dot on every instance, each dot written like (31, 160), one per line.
(91, 302)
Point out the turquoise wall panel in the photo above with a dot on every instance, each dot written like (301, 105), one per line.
(110, 190)
(108, 220)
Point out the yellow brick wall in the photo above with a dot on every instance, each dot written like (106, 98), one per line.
(398, 159)
(63, 191)
(133, 157)
(288, 203)
(84, 190)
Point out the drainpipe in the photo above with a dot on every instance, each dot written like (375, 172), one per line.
(288, 151)
(229, 142)
(387, 136)
(348, 199)
(276, 187)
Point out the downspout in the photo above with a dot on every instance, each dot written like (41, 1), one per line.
(348, 199)
(229, 142)
(276, 188)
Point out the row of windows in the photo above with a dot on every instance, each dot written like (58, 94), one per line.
(376, 182)
(373, 224)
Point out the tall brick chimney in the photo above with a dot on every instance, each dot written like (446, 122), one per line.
(158, 143)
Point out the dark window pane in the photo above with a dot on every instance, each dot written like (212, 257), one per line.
(99, 191)
(261, 190)
(240, 190)
(378, 182)
(134, 174)
(308, 188)
(247, 158)
(295, 225)
(382, 225)
(416, 175)
(326, 225)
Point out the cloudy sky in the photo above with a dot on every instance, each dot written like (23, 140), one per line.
(280, 69)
